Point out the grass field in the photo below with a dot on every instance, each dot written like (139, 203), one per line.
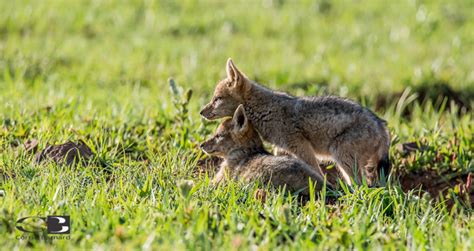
(98, 71)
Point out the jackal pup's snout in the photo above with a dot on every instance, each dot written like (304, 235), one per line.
(228, 94)
(231, 135)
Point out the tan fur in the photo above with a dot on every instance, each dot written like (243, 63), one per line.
(245, 158)
(308, 127)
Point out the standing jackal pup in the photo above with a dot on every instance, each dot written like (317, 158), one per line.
(245, 158)
(308, 127)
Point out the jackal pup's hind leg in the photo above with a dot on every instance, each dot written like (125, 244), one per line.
(358, 159)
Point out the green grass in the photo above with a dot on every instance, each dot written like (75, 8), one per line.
(98, 70)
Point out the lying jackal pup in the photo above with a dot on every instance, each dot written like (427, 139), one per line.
(245, 158)
(308, 127)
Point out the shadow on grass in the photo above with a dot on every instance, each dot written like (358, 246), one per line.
(435, 92)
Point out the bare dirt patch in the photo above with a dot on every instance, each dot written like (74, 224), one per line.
(445, 185)
(68, 153)
(438, 183)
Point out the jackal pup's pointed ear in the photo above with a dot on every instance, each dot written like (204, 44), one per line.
(240, 120)
(233, 73)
